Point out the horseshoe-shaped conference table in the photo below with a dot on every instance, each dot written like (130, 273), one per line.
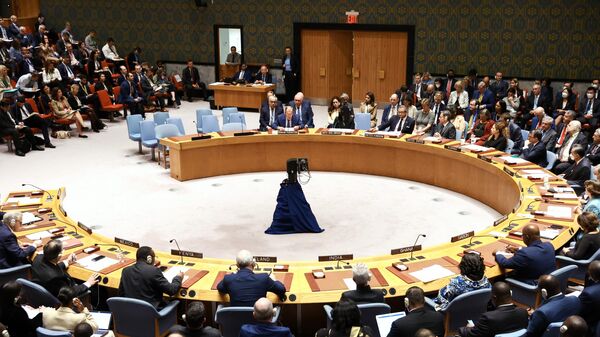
(511, 187)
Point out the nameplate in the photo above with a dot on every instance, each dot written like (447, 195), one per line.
(499, 221)
(325, 258)
(201, 137)
(127, 242)
(266, 259)
(484, 158)
(287, 132)
(462, 236)
(405, 250)
(374, 135)
(244, 133)
(332, 133)
(453, 148)
(186, 253)
(509, 172)
(415, 140)
(84, 227)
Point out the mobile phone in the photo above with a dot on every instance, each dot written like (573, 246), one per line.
(400, 266)
(98, 258)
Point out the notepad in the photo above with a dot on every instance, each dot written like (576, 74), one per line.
(569, 196)
(38, 235)
(559, 212)
(31, 311)
(349, 282)
(102, 318)
(549, 234)
(29, 218)
(170, 273)
(384, 322)
(431, 273)
(474, 147)
(513, 160)
(96, 266)
(431, 139)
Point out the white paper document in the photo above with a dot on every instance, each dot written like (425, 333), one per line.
(341, 130)
(29, 218)
(24, 201)
(88, 263)
(350, 283)
(389, 133)
(102, 318)
(549, 234)
(431, 139)
(384, 322)
(474, 147)
(559, 212)
(31, 311)
(432, 273)
(38, 235)
(514, 160)
(170, 273)
(569, 196)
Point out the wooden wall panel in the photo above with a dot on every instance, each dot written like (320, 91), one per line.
(392, 61)
(339, 66)
(315, 51)
(366, 47)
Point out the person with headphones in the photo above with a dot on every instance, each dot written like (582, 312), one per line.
(11, 254)
(417, 316)
(144, 281)
(556, 307)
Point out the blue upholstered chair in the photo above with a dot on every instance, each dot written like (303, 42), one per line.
(524, 134)
(362, 121)
(36, 295)
(177, 122)
(10, 274)
(199, 114)
(149, 136)
(551, 158)
(518, 333)
(368, 311)
(553, 330)
(231, 319)
(459, 135)
(210, 123)
(160, 118)
(227, 112)
(137, 318)
(165, 131)
(237, 117)
(509, 146)
(233, 127)
(133, 129)
(582, 265)
(467, 306)
(41, 332)
(528, 295)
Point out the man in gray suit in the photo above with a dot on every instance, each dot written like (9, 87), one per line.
(234, 57)
(548, 134)
(445, 129)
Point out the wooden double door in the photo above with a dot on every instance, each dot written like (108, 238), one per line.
(355, 62)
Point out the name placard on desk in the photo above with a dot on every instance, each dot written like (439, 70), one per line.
(462, 236)
(186, 253)
(326, 258)
(509, 172)
(415, 140)
(127, 242)
(200, 137)
(452, 148)
(332, 133)
(408, 249)
(499, 221)
(374, 135)
(484, 158)
(266, 259)
(84, 227)
(287, 132)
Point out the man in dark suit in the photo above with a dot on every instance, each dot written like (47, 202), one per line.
(548, 134)
(263, 76)
(391, 109)
(590, 296)
(287, 120)
(536, 151)
(245, 287)
(48, 271)
(144, 281)
(129, 96)
(398, 123)
(13, 27)
(448, 83)
(269, 113)
(593, 150)
(303, 109)
(561, 128)
(363, 293)
(10, 127)
(191, 81)
(263, 315)
(556, 307)
(11, 254)
(195, 318)
(589, 110)
(22, 112)
(574, 137)
(536, 99)
(581, 168)
(515, 133)
(417, 316)
(530, 262)
(403, 93)
(499, 87)
(290, 72)
(418, 87)
(67, 74)
(445, 129)
(437, 106)
(484, 97)
(506, 316)
(244, 74)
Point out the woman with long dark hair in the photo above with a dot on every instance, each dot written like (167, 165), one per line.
(13, 315)
(345, 321)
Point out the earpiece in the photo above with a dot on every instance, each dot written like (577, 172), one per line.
(544, 293)
(563, 329)
(406, 303)
(149, 259)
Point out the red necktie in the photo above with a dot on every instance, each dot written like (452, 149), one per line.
(562, 135)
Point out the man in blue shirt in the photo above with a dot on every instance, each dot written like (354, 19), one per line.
(263, 314)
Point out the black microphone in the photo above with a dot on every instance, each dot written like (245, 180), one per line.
(529, 208)
(41, 189)
(181, 256)
(415, 245)
(337, 266)
(119, 250)
(231, 265)
(66, 223)
(481, 236)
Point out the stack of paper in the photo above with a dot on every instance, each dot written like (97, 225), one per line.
(549, 234)
(569, 196)
(513, 160)
(341, 130)
(474, 147)
(559, 212)
(431, 273)
(431, 139)
(170, 273)
(23, 201)
(38, 235)
(29, 218)
(390, 133)
(88, 263)
(384, 322)
(102, 318)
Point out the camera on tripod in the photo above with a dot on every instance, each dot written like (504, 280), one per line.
(296, 166)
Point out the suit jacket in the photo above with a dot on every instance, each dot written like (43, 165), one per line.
(53, 277)
(542, 100)
(293, 63)
(499, 89)
(505, 318)
(5, 121)
(146, 282)
(268, 78)
(536, 154)
(66, 319)
(555, 309)
(234, 58)
(595, 104)
(128, 93)
(590, 302)
(11, 254)
(264, 330)
(306, 120)
(593, 153)
(581, 139)
(446, 131)
(62, 69)
(364, 295)
(392, 124)
(386, 113)
(414, 88)
(445, 85)
(245, 287)
(205, 331)
(16, 111)
(517, 137)
(247, 75)
(420, 318)
(190, 77)
(280, 121)
(578, 173)
(488, 99)
(549, 139)
(531, 262)
(265, 115)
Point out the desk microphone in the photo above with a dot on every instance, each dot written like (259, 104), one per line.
(337, 266)
(529, 208)
(415, 245)
(66, 223)
(481, 236)
(181, 255)
(41, 189)
(231, 266)
(110, 245)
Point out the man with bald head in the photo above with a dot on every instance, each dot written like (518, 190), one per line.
(590, 296)
(573, 326)
(506, 317)
(264, 327)
(574, 137)
(528, 263)
(245, 287)
(391, 109)
(303, 109)
(556, 307)
(269, 112)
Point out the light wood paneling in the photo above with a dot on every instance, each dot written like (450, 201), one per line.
(340, 62)
(366, 46)
(314, 59)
